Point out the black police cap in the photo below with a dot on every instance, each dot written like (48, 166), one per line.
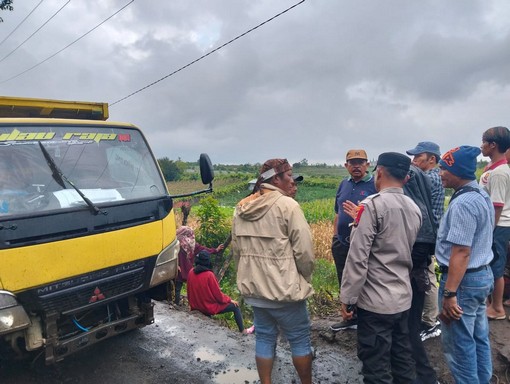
(394, 160)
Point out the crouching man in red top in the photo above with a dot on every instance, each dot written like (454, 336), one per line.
(204, 292)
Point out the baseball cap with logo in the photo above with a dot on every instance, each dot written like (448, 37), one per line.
(356, 154)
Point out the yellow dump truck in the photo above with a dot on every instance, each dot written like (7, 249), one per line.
(87, 230)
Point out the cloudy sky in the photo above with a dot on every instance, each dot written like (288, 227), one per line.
(326, 76)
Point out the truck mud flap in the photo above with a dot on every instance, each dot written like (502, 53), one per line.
(57, 351)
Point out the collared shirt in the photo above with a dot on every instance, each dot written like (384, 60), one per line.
(496, 182)
(437, 194)
(355, 192)
(469, 222)
(376, 274)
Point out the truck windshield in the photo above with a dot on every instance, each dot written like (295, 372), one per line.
(106, 164)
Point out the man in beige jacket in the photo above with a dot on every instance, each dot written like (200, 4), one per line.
(273, 250)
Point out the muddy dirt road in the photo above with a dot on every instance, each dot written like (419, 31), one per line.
(183, 347)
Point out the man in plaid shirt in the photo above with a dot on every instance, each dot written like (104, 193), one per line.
(426, 157)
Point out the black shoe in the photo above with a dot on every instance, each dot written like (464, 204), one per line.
(346, 324)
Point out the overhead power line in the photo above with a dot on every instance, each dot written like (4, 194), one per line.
(207, 54)
(21, 22)
(37, 30)
(67, 46)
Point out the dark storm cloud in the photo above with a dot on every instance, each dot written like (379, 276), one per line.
(322, 78)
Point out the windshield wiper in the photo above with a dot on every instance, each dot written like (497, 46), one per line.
(55, 172)
(60, 178)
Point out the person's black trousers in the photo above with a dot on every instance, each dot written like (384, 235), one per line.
(425, 374)
(384, 348)
(339, 252)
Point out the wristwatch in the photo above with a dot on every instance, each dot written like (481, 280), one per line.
(447, 293)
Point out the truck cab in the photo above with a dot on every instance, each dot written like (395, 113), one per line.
(87, 228)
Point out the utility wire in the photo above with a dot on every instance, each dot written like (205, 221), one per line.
(21, 22)
(207, 54)
(67, 46)
(38, 29)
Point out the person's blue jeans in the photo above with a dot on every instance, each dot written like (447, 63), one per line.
(466, 342)
(238, 316)
(292, 320)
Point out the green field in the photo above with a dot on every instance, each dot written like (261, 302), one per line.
(230, 187)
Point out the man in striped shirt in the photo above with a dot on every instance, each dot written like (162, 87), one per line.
(463, 251)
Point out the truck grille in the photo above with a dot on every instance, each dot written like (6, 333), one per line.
(83, 291)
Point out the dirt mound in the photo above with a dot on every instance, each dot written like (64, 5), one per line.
(345, 343)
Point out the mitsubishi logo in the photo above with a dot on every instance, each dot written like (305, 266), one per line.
(96, 296)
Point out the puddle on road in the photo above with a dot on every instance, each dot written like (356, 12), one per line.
(230, 375)
(238, 375)
(206, 354)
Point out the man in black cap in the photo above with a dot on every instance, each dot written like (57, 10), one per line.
(293, 188)
(376, 275)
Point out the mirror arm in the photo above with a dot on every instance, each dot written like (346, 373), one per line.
(208, 190)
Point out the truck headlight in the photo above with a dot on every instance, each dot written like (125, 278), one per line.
(7, 300)
(166, 265)
(12, 315)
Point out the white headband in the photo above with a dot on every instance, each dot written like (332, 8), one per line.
(268, 174)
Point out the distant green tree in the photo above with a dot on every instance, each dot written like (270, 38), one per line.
(181, 166)
(5, 5)
(172, 170)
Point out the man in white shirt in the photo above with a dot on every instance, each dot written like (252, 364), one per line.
(496, 181)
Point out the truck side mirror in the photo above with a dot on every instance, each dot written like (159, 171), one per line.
(206, 169)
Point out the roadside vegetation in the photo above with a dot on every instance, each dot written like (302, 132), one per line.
(211, 217)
